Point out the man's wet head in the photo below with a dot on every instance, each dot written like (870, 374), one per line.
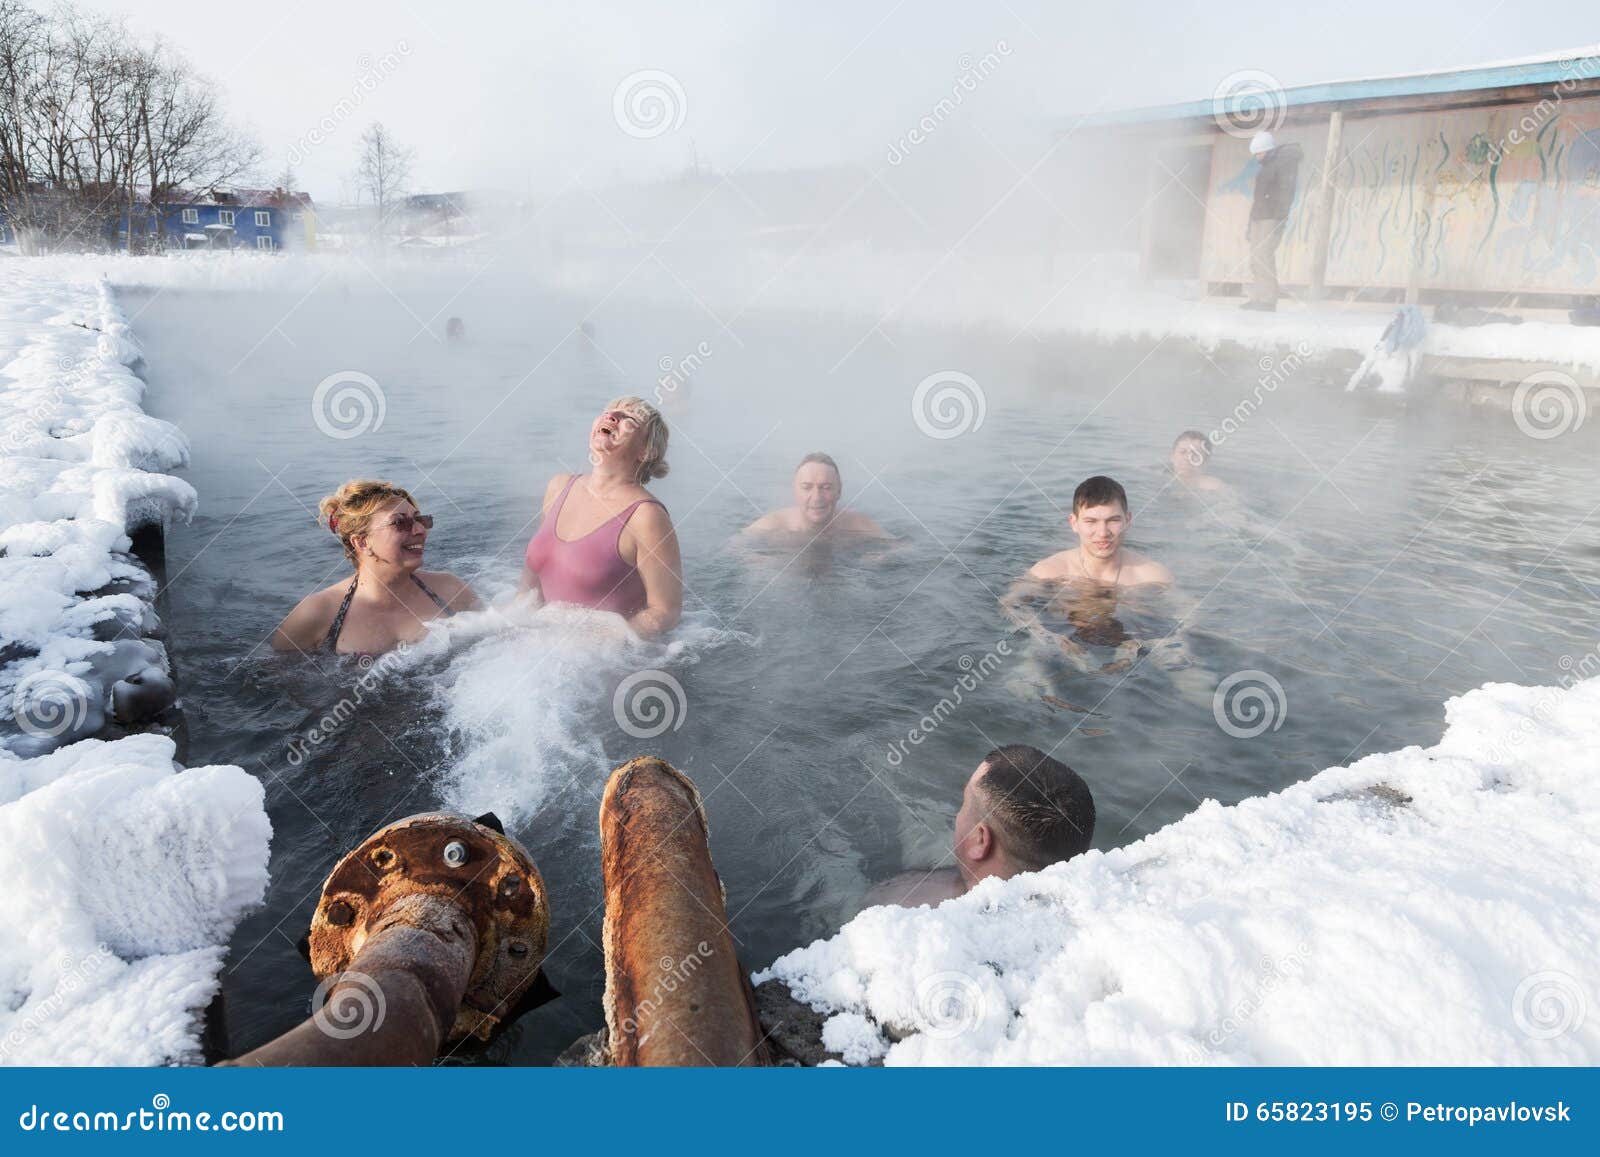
(1021, 811)
(1100, 516)
(817, 488)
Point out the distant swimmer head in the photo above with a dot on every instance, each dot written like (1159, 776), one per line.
(1100, 515)
(1021, 811)
(586, 330)
(632, 432)
(1262, 142)
(1190, 451)
(817, 488)
(455, 329)
(377, 522)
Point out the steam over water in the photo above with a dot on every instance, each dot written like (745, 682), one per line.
(1373, 564)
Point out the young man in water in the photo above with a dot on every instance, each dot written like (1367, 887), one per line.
(1020, 811)
(815, 513)
(1100, 519)
(1082, 585)
(1188, 459)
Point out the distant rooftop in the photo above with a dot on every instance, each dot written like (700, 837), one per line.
(1579, 65)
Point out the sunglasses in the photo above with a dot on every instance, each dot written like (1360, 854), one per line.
(403, 522)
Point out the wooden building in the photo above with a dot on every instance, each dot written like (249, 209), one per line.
(1481, 182)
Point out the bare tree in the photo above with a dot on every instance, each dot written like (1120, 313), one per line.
(98, 133)
(383, 172)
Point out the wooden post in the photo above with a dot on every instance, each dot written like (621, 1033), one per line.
(1322, 226)
(1147, 220)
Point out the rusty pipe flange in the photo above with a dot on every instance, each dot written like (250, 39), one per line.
(487, 874)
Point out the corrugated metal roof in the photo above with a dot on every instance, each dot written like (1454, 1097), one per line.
(1580, 64)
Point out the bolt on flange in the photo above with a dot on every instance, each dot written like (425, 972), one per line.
(489, 876)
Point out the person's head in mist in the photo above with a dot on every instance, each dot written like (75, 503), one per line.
(629, 437)
(1100, 515)
(817, 489)
(379, 526)
(1190, 452)
(1262, 143)
(1021, 811)
(455, 329)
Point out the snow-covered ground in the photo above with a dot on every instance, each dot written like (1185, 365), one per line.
(1424, 906)
(1018, 298)
(1034, 298)
(124, 874)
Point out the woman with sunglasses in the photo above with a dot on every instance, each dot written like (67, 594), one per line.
(391, 599)
(605, 542)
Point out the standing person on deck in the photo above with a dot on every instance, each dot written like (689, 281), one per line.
(1269, 210)
(605, 541)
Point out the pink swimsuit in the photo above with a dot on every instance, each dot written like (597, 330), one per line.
(588, 571)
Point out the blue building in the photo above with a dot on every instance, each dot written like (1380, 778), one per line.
(268, 219)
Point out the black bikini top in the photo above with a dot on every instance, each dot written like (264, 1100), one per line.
(332, 641)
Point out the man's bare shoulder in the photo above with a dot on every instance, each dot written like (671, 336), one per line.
(777, 522)
(1138, 569)
(915, 889)
(1057, 566)
(860, 525)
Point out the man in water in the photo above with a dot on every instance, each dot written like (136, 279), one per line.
(1020, 811)
(1081, 585)
(815, 514)
(1190, 453)
(1100, 519)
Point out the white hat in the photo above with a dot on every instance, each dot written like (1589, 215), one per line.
(1262, 142)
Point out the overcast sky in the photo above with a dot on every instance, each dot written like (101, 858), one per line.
(523, 95)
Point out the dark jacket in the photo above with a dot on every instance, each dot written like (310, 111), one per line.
(1274, 193)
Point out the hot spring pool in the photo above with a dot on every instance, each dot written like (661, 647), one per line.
(1374, 563)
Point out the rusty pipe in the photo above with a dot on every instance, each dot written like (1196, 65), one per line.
(395, 1002)
(432, 931)
(675, 992)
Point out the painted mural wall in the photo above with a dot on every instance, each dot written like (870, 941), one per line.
(1504, 199)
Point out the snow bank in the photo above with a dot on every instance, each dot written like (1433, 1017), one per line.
(1089, 295)
(1437, 906)
(81, 465)
(124, 880)
(124, 874)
